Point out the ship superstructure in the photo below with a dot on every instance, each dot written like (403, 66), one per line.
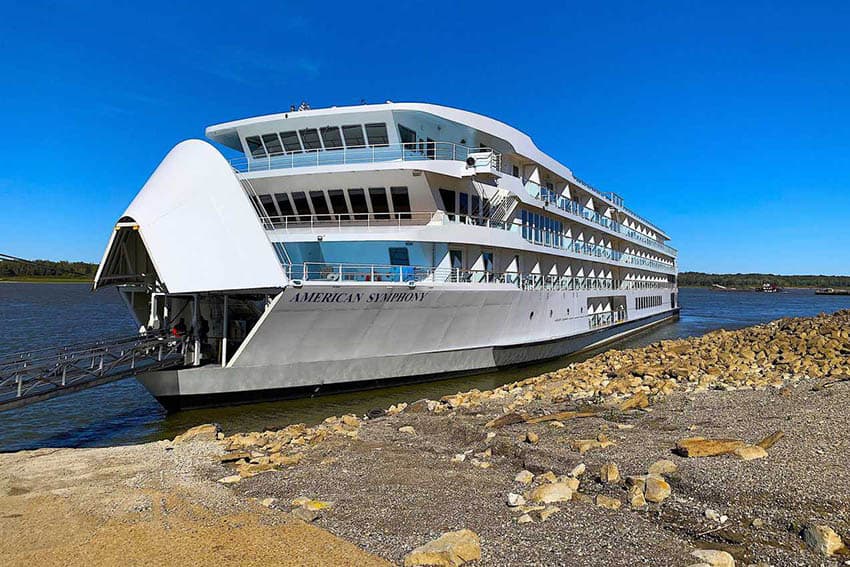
(354, 245)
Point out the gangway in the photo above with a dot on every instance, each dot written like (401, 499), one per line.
(38, 375)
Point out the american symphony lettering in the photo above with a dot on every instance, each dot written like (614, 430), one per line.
(357, 297)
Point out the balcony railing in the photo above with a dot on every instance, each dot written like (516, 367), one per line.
(423, 151)
(572, 207)
(398, 221)
(375, 273)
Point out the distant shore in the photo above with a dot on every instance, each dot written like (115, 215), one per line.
(45, 280)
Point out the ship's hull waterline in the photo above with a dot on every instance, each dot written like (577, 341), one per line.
(323, 339)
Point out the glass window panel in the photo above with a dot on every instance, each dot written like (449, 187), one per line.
(377, 134)
(401, 201)
(290, 141)
(320, 205)
(399, 256)
(353, 136)
(310, 139)
(299, 199)
(340, 206)
(331, 137)
(358, 203)
(255, 146)
(463, 204)
(283, 204)
(448, 197)
(407, 137)
(475, 208)
(380, 205)
(268, 205)
(273, 145)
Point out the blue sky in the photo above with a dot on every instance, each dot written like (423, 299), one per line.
(726, 123)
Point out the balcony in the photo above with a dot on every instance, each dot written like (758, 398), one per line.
(481, 160)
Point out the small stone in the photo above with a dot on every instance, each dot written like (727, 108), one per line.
(524, 477)
(712, 515)
(609, 473)
(480, 464)
(573, 483)
(750, 452)
(524, 519)
(515, 500)
(584, 445)
(758, 523)
(664, 466)
(490, 435)
(550, 493)
(232, 479)
(556, 424)
(607, 502)
(578, 470)
(407, 429)
(306, 515)
(459, 458)
(822, 539)
(351, 420)
(714, 557)
(771, 440)
(547, 512)
(548, 476)
(316, 505)
(657, 489)
(206, 432)
(531, 437)
(636, 497)
(268, 502)
(639, 400)
(286, 460)
(449, 550)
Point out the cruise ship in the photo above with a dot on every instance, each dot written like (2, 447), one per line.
(352, 247)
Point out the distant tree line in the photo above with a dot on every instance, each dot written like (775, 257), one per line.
(700, 279)
(47, 269)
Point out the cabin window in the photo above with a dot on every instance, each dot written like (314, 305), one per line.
(463, 205)
(290, 141)
(353, 136)
(399, 256)
(268, 205)
(407, 137)
(273, 145)
(331, 137)
(358, 203)
(431, 149)
(320, 205)
(255, 146)
(377, 134)
(515, 170)
(283, 204)
(401, 202)
(340, 206)
(380, 205)
(487, 258)
(456, 259)
(448, 197)
(302, 207)
(310, 139)
(475, 210)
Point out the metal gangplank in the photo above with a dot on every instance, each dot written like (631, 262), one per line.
(38, 375)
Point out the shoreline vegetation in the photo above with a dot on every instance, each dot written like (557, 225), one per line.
(47, 271)
(725, 449)
(754, 280)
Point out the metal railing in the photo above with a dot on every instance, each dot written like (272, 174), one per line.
(380, 273)
(413, 151)
(44, 373)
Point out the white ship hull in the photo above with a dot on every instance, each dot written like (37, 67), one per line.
(331, 337)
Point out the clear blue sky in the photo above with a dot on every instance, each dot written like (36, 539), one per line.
(725, 122)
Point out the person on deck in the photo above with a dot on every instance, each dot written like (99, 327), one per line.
(179, 330)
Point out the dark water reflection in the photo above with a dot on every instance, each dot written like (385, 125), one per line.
(37, 315)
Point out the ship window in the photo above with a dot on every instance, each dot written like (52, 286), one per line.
(353, 136)
(268, 205)
(463, 205)
(448, 197)
(320, 204)
(331, 137)
(272, 143)
(399, 256)
(290, 141)
(337, 197)
(407, 136)
(358, 203)
(377, 134)
(431, 149)
(401, 201)
(283, 204)
(475, 211)
(515, 170)
(380, 206)
(310, 138)
(299, 199)
(255, 146)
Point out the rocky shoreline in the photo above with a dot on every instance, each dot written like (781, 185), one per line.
(730, 448)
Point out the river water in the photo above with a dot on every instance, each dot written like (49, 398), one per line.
(40, 315)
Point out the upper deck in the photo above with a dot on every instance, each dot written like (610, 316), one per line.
(408, 132)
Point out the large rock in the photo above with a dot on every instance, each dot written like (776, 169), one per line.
(656, 489)
(750, 452)
(449, 550)
(822, 539)
(610, 473)
(664, 466)
(700, 447)
(549, 493)
(205, 432)
(714, 557)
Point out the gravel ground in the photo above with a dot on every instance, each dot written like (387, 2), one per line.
(394, 491)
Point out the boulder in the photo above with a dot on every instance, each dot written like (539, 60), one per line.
(664, 466)
(714, 557)
(206, 432)
(609, 473)
(449, 550)
(524, 477)
(550, 493)
(636, 497)
(822, 539)
(656, 489)
(607, 502)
